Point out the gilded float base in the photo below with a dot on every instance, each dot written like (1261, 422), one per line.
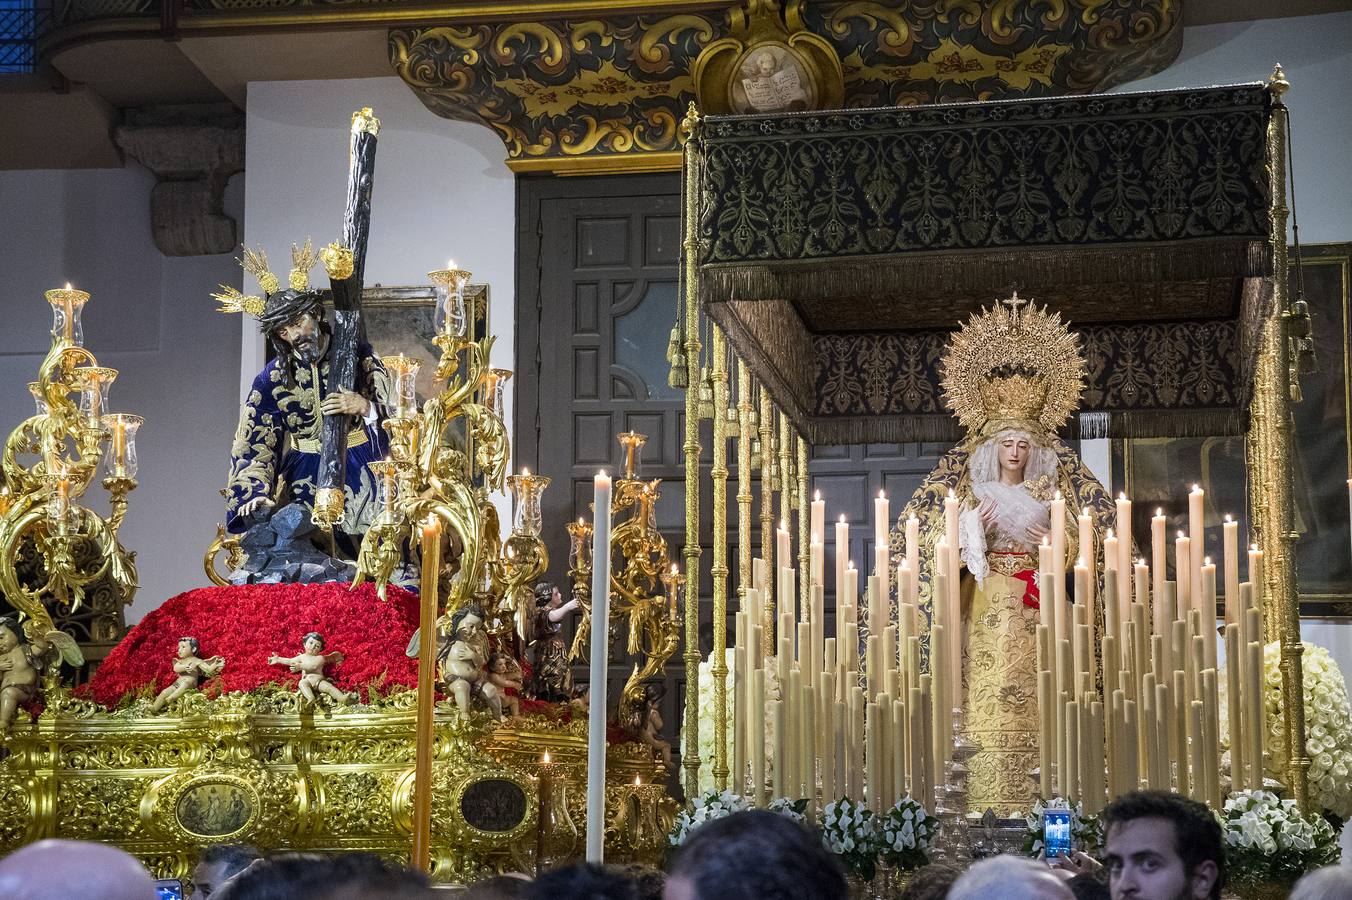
(242, 768)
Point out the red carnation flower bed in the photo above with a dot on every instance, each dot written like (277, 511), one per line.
(248, 623)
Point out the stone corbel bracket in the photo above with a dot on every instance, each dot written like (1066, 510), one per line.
(193, 151)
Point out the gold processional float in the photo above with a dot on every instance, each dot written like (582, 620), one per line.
(470, 794)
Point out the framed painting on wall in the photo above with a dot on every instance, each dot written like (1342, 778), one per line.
(1158, 472)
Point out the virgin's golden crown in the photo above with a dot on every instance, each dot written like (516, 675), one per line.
(1014, 397)
(1013, 364)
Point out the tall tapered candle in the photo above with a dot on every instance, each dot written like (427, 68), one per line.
(913, 557)
(1058, 514)
(1123, 553)
(427, 650)
(1233, 708)
(600, 660)
(851, 585)
(816, 558)
(842, 558)
(1256, 576)
(1112, 617)
(1183, 574)
(1196, 523)
(1209, 610)
(1046, 616)
(758, 703)
(1142, 582)
(780, 762)
(818, 520)
(1230, 547)
(783, 552)
(880, 523)
(883, 567)
(1159, 549)
(1085, 523)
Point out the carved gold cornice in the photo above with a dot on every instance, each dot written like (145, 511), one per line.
(564, 91)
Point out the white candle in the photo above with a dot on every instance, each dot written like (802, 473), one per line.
(1230, 547)
(783, 550)
(851, 585)
(880, 514)
(818, 526)
(1111, 614)
(1183, 574)
(600, 650)
(1256, 576)
(816, 558)
(1123, 553)
(913, 557)
(1058, 514)
(883, 567)
(1197, 546)
(1158, 568)
(1046, 614)
(1086, 534)
(842, 559)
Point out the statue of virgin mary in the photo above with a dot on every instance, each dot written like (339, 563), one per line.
(1013, 375)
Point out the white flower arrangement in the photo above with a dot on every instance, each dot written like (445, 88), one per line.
(850, 831)
(1328, 726)
(790, 809)
(706, 713)
(1268, 839)
(906, 831)
(706, 808)
(1086, 832)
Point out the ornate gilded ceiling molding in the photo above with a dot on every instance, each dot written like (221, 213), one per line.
(597, 93)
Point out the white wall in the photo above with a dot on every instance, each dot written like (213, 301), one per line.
(152, 319)
(1316, 54)
(442, 192)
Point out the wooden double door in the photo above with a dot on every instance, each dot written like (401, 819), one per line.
(597, 281)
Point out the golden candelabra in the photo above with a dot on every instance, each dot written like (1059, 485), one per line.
(68, 443)
(427, 475)
(652, 615)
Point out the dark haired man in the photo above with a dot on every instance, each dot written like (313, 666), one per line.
(754, 855)
(1162, 846)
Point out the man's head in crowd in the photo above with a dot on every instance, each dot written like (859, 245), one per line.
(1009, 878)
(754, 855)
(1162, 846)
(60, 870)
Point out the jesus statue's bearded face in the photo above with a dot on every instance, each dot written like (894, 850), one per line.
(1012, 452)
(302, 336)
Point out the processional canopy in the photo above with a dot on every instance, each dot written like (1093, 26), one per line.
(856, 240)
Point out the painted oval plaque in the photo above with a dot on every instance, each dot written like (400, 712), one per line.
(493, 805)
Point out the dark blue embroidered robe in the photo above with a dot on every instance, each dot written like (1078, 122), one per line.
(276, 448)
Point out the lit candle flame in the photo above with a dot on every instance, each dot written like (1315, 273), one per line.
(816, 495)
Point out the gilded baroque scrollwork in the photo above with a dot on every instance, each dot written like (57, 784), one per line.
(565, 92)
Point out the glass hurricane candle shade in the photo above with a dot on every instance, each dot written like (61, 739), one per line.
(67, 305)
(404, 373)
(120, 460)
(387, 488)
(526, 491)
(632, 442)
(450, 316)
(579, 545)
(494, 390)
(675, 583)
(93, 382)
(60, 509)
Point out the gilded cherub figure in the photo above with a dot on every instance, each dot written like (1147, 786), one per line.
(465, 659)
(19, 671)
(650, 729)
(506, 674)
(311, 663)
(190, 669)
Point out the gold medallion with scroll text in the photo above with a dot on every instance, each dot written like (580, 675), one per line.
(768, 64)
